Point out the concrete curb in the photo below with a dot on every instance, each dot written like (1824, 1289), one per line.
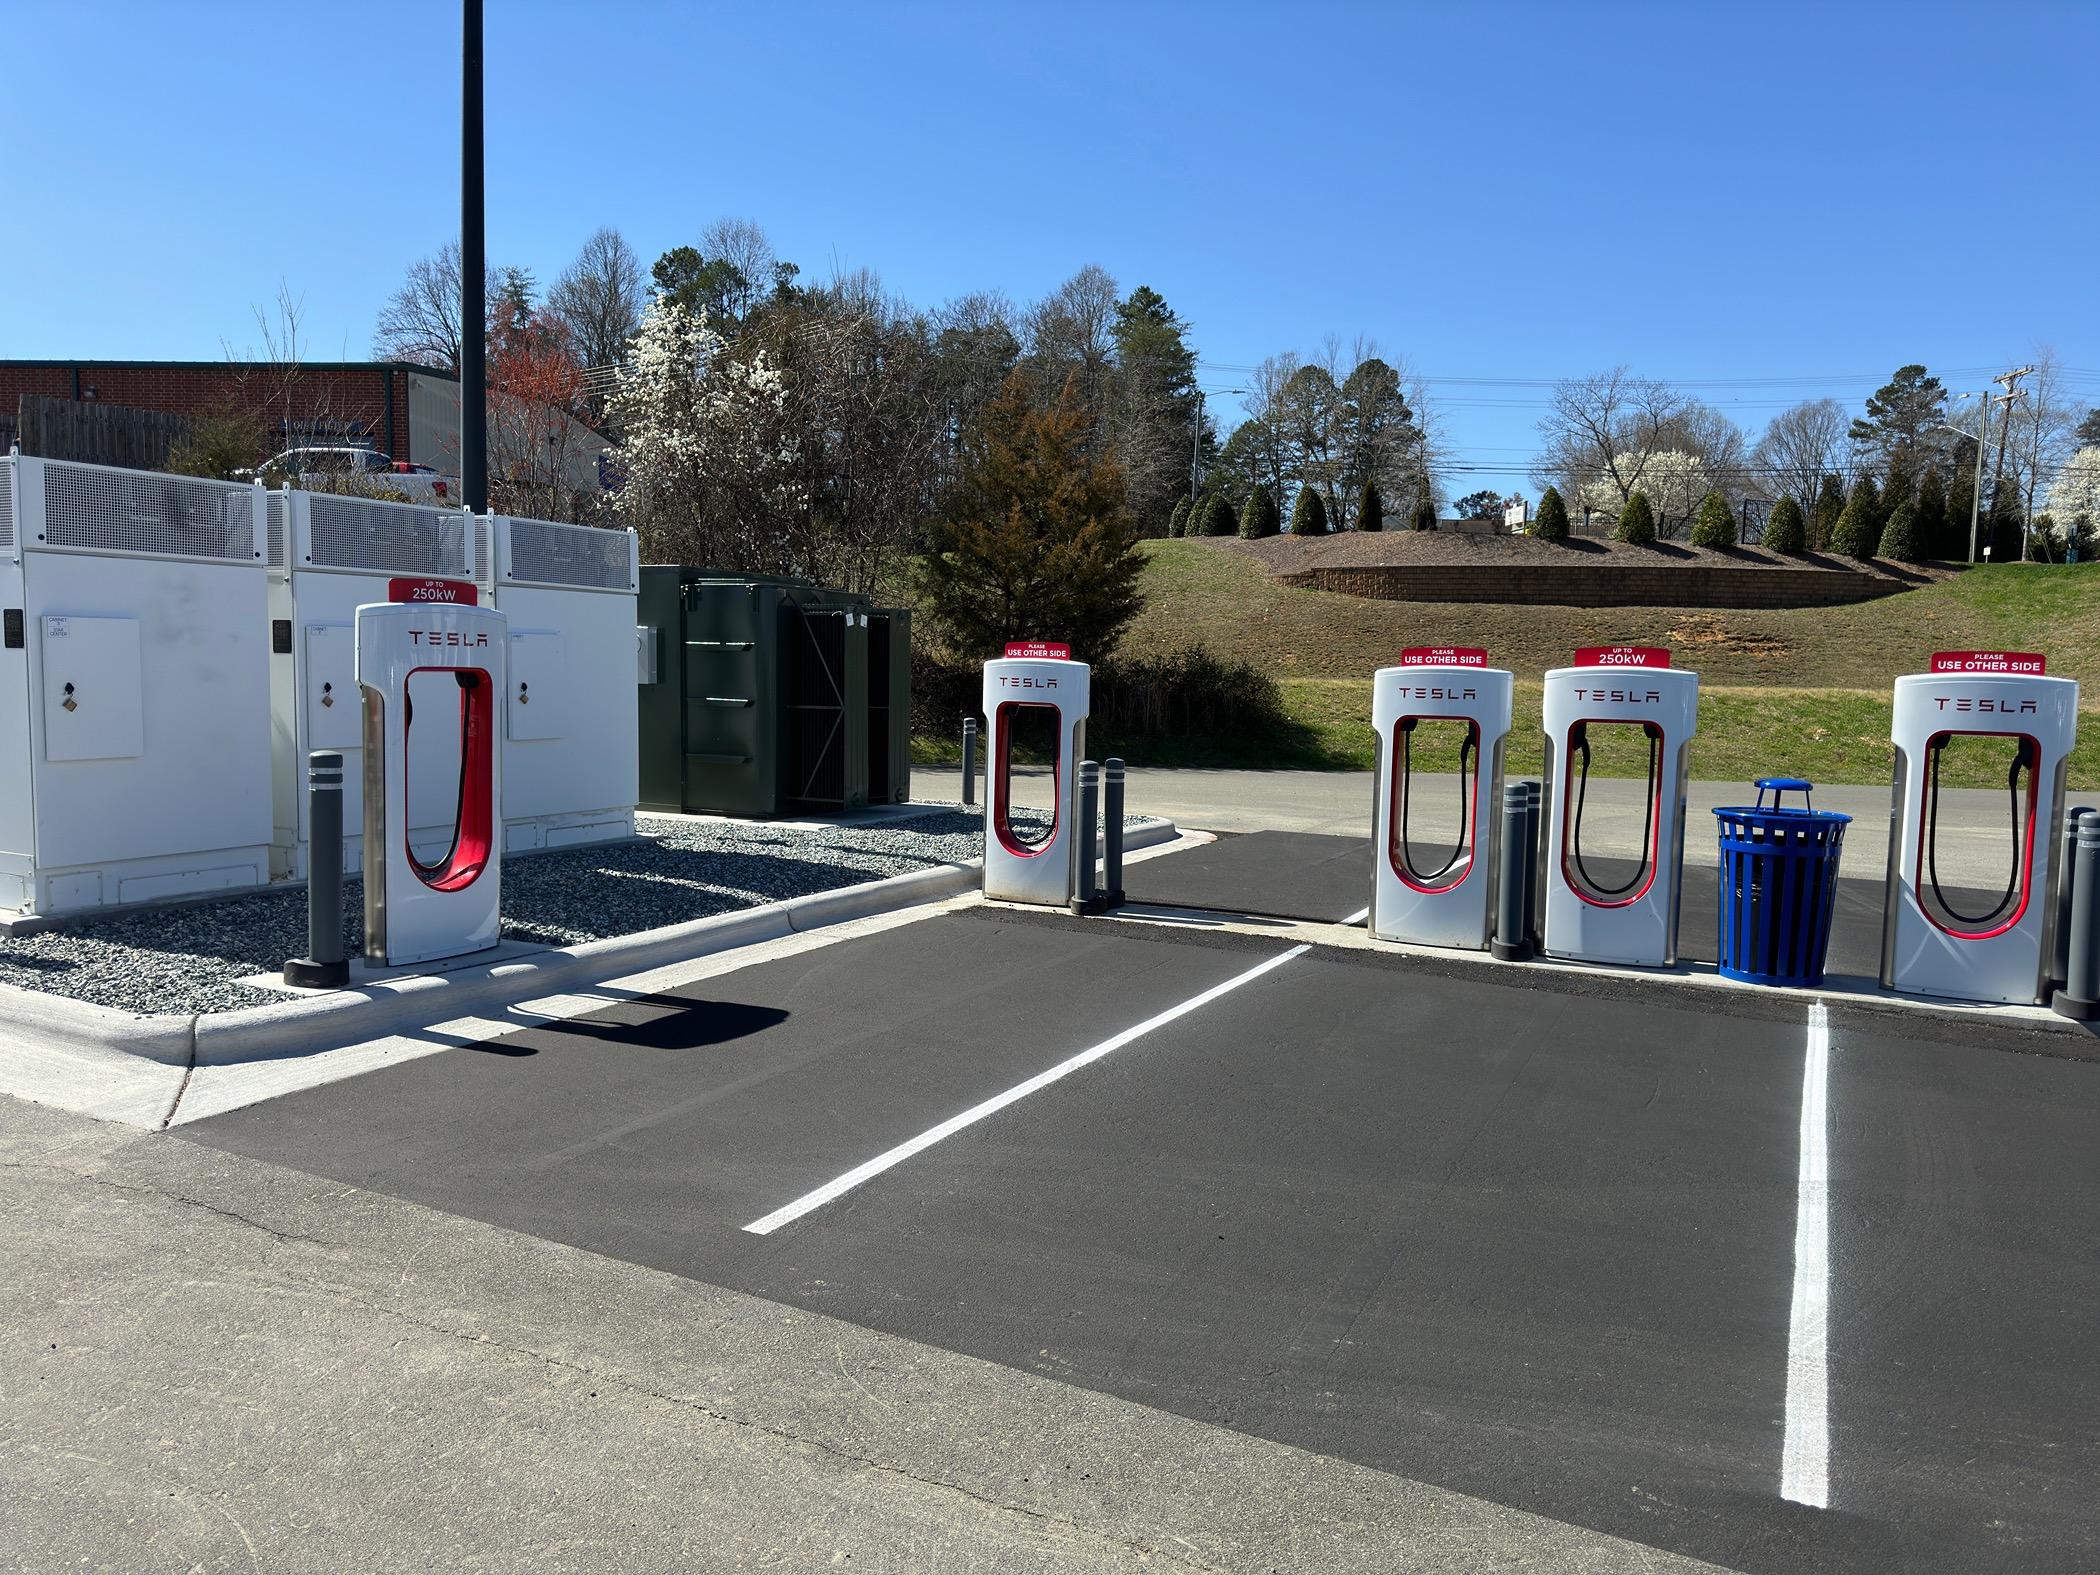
(314, 1023)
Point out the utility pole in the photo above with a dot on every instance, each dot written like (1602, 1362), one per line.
(473, 272)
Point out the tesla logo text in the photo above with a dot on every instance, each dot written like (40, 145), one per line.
(1436, 692)
(1006, 681)
(1622, 696)
(447, 637)
(1996, 707)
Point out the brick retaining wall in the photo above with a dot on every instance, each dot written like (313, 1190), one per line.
(1599, 584)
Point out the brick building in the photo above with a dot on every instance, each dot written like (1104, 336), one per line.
(356, 401)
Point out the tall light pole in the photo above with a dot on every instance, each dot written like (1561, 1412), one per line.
(473, 271)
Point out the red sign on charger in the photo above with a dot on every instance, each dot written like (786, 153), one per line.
(1622, 656)
(1040, 650)
(2010, 664)
(424, 588)
(1444, 656)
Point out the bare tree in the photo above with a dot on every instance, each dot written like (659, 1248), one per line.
(2044, 422)
(1799, 447)
(420, 321)
(1604, 427)
(598, 299)
(1069, 333)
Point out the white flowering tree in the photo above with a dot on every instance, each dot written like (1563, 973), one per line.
(707, 450)
(2074, 498)
(1674, 481)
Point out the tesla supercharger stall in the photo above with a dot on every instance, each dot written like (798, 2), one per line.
(1626, 701)
(1441, 708)
(1035, 683)
(433, 677)
(1998, 710)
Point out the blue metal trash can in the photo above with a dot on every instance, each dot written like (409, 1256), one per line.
(1779, 870)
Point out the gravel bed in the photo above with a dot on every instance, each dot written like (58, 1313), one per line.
(187, 959)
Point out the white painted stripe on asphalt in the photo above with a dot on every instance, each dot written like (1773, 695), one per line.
(1804, 1473)
(789, 1212)
(1358, 916)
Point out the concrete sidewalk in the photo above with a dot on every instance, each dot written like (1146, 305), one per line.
(1974, 836)
(217, 1363)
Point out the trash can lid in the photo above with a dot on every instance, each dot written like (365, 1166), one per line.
(1785, 784)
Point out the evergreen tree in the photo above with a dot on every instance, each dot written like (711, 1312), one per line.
(1551, 523)
(1153, 402)
(1214, 517)
(1899, 413)
(1858, 529)
(1636, 521)
(1370, 508)
(1786, 531)
(1715, 526)
(1424, 516)
(1309, 513)
(1900, 488)
(1260, 517)
(1961, 501)
(1036, 542)
(1178, 521)
(1823, 519)
(1899, 537)
(1933, 535)
(2004, 524)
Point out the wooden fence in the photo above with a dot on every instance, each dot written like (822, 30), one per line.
(97, 434)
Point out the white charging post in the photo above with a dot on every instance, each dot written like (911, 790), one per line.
(433, 674)
(1937, 938)
(1439, 890)
(1026, 862)
(1598, 906)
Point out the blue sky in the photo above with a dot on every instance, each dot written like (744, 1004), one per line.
(1793, 199)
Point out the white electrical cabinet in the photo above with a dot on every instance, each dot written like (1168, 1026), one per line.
(330, 555)
(134, 688)
(571, 759)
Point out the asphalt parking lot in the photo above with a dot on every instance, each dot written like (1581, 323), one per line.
(1535, 1242)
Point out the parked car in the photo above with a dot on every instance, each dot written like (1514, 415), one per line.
(315, 464)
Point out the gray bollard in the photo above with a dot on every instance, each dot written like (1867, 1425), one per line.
(2067, 857)
(323, 967)
(969, 761)
(2079, 999)
(1511, 943)
(1532, 795)
(1112, 833)
(1086, 833)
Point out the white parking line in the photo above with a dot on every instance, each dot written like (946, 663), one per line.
(838, 1188)
(1358, 916)
(1804, 1472)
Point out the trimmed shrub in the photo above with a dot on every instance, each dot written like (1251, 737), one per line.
(1260, 517)
(1899, 537)
(1551, 523)
(1178, 521)
(1370, 508)
(1214, 517)
(1181, 695)
(1823, 519)
(1858, 529)
(1309, 513)
(1637, 521)
(1424, 516)
(1786, 531)
(1934, 538)
(1715, 526)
